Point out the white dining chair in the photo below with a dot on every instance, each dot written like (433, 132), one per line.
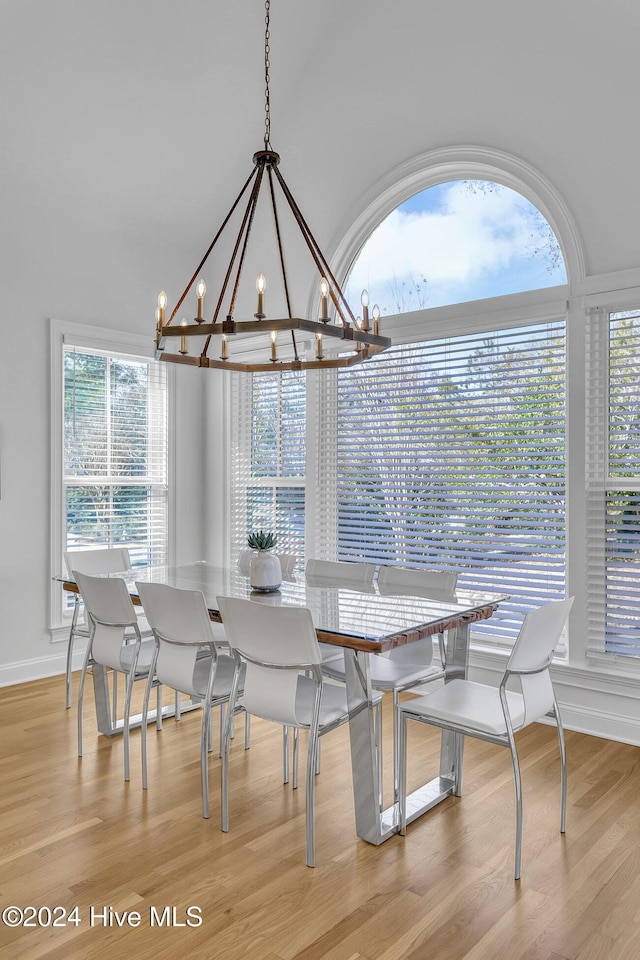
(351, 574)
(345, 574)
(283, 684)
(411, 664)
(187, 660)
(495, 714)
(113, 619)
(93, 562)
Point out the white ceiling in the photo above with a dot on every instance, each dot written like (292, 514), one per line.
(128, 126)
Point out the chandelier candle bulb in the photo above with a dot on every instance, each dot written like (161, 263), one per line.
(261, 283)
(324, 300)
(223, 355)
(318, 346)
(162, 302)
(183, 340)
(273, 345)
(201, 289)
(364, 300)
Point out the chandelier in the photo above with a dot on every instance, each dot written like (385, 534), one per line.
(334, 337)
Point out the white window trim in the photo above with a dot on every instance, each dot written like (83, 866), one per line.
(111, 341)
(598, 309)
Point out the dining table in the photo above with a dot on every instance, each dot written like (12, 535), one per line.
(360, 621)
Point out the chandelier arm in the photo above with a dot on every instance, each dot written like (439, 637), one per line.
(250, 205)
(316, 253)
(280, 248)
(211, 246)
(251, 209)
(225, 283)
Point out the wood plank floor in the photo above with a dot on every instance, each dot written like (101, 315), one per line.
(73, 833)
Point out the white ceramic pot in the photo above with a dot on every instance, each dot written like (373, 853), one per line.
(265, 573)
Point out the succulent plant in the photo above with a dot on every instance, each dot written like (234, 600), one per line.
(261, 540)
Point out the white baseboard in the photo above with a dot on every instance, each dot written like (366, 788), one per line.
(53, 665)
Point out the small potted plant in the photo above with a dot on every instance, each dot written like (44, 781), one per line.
(265, 573)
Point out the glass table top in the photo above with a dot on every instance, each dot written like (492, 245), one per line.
(342, 613)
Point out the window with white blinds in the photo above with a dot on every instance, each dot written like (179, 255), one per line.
(619, 498)
(115, 453)
(451, 454)
(268, 461)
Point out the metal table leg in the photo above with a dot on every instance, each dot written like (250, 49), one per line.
(110, 726)
(372, 823)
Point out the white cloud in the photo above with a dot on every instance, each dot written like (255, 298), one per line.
(471, 236)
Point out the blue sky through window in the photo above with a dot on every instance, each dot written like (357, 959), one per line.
(455, 242)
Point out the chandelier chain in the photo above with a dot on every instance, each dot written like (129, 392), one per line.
(267, 64)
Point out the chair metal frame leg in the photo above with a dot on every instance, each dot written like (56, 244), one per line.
(232, 709)
(517, 782)
(205, 742)
(83, 676)
(296, 757)
(114, 695)
(396, 744)
(72, 634)
(402, 773)
(310, 799)
(143, 725)
(285, 754)
(125, 726)
(563, 767)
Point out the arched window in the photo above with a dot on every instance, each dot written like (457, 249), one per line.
(454, 242)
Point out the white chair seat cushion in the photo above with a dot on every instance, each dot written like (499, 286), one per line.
(144, 657)
(225, 668)
(333, 705)
(464, 703)
(386, 674)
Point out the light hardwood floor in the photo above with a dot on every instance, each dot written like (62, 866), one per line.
(73, 833)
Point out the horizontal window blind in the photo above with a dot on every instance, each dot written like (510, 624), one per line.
(622, 496)
(451, 454)
(115, 453)
(268, 463)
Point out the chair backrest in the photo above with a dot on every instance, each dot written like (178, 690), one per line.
(277, 643)
(538, 637)
(339, 573)
(111, 610)
(104, 560)
(403, 580)
(287, 563)
(180, 622)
